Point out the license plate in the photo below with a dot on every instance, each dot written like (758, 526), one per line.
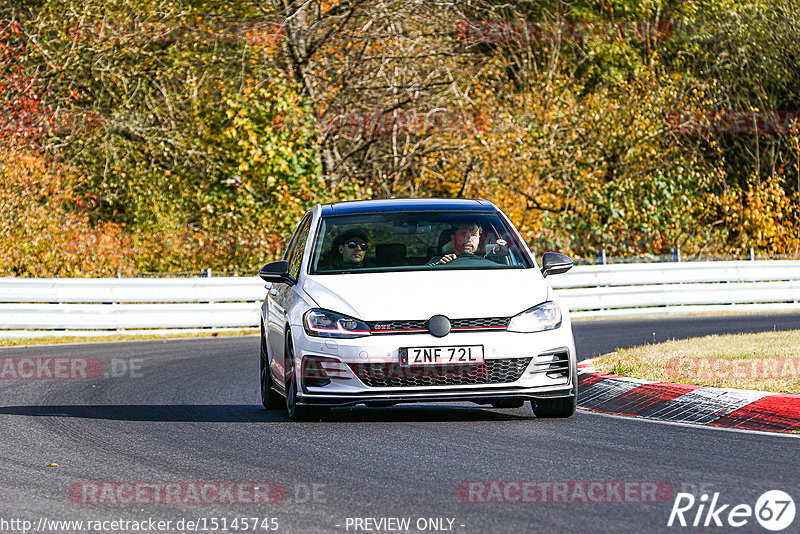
(459, 355)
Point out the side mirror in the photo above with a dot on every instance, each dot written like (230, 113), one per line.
(555, 263)
(276, 272)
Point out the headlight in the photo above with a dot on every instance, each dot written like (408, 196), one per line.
(546, 316)
(325, 323)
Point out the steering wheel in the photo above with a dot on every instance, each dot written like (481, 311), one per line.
(467, 260)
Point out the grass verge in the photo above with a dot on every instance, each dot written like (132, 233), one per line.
(767, 361)
(24, 342)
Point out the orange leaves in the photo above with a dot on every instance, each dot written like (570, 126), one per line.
(41, 234)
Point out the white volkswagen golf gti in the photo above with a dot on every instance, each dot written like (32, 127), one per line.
(387, 301)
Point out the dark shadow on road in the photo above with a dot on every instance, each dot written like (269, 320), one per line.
(210, 413)
(253, 413)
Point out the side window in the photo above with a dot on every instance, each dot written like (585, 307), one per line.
(292, 242)
(294, 255)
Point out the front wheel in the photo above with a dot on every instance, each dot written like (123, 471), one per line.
(296, 412)
(558, 408)
(269, 398)
(554, 408)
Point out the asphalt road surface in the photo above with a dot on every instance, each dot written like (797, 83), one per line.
(187, 412)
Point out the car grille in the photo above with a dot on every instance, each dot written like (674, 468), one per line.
(488, 322)
(381, 375)
(395, 327)
(421, 327)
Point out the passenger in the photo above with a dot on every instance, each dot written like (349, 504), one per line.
(348, 251)
(466, 239)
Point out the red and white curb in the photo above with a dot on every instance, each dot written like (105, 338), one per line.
(723, 407)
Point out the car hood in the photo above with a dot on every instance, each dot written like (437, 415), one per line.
(420, 295)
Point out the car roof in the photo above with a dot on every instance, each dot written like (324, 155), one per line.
(407, 204)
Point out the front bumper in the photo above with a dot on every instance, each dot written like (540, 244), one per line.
(480, 397)
(535, 354)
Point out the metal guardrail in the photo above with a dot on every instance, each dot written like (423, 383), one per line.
(124, 304)
(691, 287)
(128, 303)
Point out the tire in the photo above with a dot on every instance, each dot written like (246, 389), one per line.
(558, 408)
(298, 413)
(269, 398)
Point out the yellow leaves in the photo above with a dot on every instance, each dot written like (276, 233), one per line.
(763, 217)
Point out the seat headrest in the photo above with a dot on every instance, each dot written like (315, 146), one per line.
(390, 253)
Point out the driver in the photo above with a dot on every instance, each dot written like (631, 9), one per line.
(466, 238)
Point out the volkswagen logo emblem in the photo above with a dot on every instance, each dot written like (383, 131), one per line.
(439, 325)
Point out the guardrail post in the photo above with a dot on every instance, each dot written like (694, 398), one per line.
(676, 255)
(207, 274)
(601, 256)
(752, 254)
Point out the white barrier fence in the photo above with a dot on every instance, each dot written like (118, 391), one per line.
(127, 303)
(102, 304)
(688, 287)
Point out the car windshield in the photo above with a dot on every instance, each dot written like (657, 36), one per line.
(415, 241)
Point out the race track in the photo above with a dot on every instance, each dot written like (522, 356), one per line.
(188, 411)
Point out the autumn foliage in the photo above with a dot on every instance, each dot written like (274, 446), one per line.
(144, 136)
(46, 229)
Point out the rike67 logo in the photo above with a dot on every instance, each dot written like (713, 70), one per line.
(774, 510)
